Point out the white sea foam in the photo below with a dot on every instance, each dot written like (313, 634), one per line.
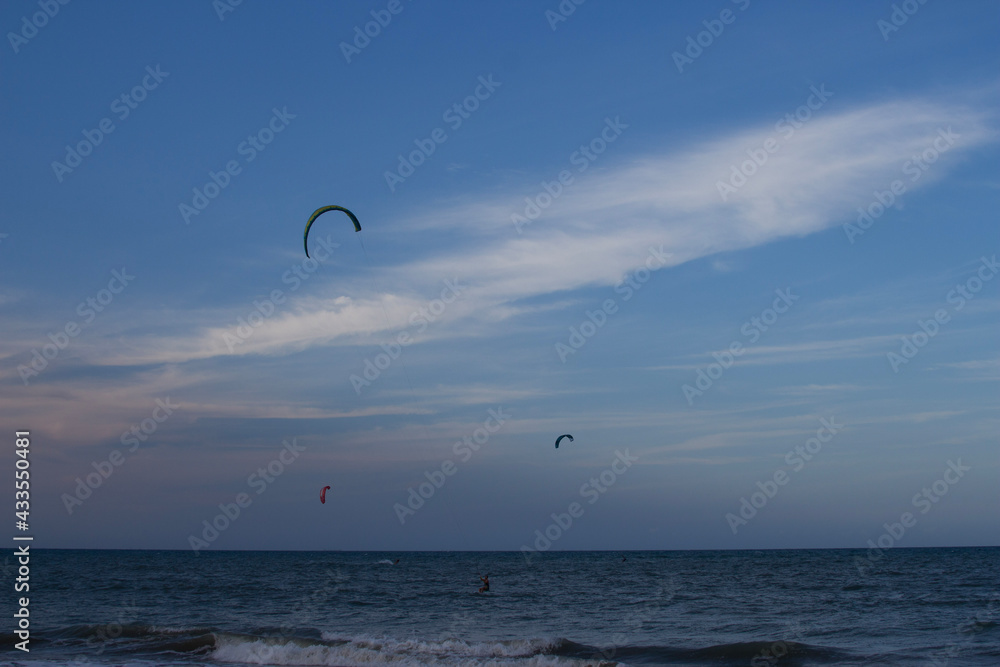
(370, 650)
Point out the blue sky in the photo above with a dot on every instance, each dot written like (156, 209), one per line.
(685, 195)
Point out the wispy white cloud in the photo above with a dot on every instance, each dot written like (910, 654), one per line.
(820, 350)
(816, 389)
(974, 365)
(602, 227)
(798, 353)
(974, 370)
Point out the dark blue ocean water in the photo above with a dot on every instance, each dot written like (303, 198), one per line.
(783, 608)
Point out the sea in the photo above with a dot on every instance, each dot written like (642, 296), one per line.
(754, 608)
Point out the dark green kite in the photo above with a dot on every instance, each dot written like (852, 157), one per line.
(559, 439)
(320, 211)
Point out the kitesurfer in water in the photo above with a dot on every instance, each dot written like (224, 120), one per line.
(397, 561)
(485, 588)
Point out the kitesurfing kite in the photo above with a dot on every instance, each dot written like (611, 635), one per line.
(322, 495)
(559, 439)
(320, 211)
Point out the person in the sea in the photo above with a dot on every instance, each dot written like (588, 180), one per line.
(485, 588)
(397, 560)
